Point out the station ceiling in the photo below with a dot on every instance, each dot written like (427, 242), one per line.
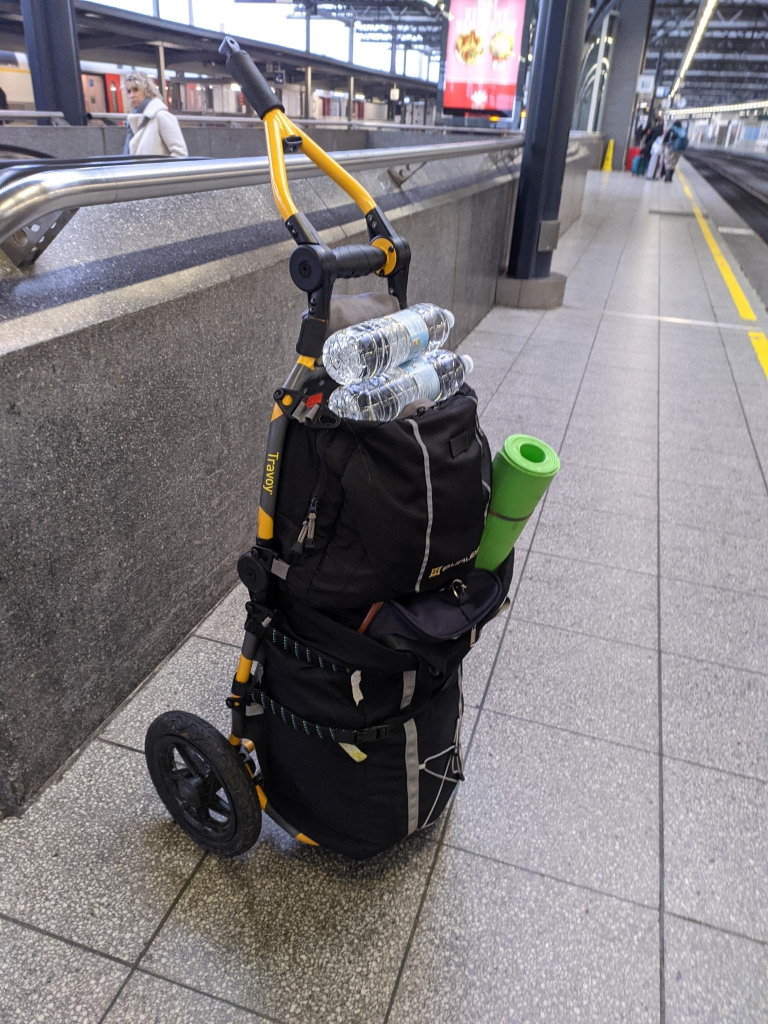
(731, 63)
(121, 37)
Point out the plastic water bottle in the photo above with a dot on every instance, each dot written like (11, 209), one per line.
(434, 376)
(375, 346)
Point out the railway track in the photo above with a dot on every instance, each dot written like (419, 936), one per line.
(741, 180)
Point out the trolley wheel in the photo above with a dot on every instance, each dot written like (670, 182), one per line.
(203, 783)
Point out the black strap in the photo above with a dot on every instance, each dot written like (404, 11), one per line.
(303, 653)
(323, 732)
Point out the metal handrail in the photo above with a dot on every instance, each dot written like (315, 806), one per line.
(321, 122)
(30, 115)
(25, 200)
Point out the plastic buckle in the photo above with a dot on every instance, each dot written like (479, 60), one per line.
(376, 732)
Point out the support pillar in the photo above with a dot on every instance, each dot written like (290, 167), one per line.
(161, 72)
(592, 117)
(556, 61)
(627, 58)
(351, 101)
(308, 91)
(54, 57)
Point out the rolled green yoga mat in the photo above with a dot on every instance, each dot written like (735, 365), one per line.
(522, 472)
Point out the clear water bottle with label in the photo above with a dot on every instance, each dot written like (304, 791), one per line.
(375, 346)
(434, 376)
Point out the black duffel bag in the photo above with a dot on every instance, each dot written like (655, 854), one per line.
(370, 511)
(359, 740)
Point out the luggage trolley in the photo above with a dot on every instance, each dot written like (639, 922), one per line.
(313, 733)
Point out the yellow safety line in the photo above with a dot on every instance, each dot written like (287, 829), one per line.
(760, 345)
(740, 300)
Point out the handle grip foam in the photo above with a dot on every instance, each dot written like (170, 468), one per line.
(255, 87)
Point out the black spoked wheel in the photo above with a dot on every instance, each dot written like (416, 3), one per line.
(203, 783)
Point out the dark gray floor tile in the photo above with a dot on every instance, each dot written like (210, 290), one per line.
(738, 470)
(42, 979)
(519, 421)
(149, 1000)
(607, 490)
(504, 320)
(478, 663)
(495, 944)
(717, 716)
(571, 321)
(523, 408)
(490, 356)
(501, 341)
(599, 417)
(712, 977)
(619, 380)
(567, 529)
(679, 404)
(580, 809)
(197, 679)
(227, 620)
(714, 558)
(716, 858)
(610, 603)
(688, 432)
(716, 625)
(551, 364)
(590, 447)
(294, 932)
(577, 682)
(705, 506)
(535, 385)
(628, 356)
(96, 859)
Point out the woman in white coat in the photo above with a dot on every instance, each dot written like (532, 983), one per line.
(152, 128)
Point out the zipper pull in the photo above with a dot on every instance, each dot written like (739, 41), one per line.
(298, 547)
(311, 523)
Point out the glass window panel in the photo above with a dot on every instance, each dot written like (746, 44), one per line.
(369, 54)
(269, 23)
(135, 6)
(175, 10)
(329, 38)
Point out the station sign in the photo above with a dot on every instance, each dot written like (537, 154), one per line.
(646, 84)
(483, 54)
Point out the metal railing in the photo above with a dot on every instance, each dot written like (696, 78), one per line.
(321, 122)
(45, 192)
(33, 115)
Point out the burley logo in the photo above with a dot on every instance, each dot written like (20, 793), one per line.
(269, 472)
(440, 569)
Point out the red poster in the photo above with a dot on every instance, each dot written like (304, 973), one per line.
(483, 56)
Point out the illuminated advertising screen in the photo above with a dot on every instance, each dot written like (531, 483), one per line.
(483, 56)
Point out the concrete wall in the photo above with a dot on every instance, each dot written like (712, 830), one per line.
(137, 363)
(207, 140)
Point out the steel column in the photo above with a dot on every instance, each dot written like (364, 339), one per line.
(54, 57)
(592, 118)
(308, 91)
(351, 101)
(161, 72)
(556, 60)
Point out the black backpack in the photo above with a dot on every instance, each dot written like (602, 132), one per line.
(367, 512)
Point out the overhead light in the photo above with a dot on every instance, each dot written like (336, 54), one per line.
(234, 86)
(727, 108)
(705, 14)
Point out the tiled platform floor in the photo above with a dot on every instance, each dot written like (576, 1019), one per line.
(607, 859)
